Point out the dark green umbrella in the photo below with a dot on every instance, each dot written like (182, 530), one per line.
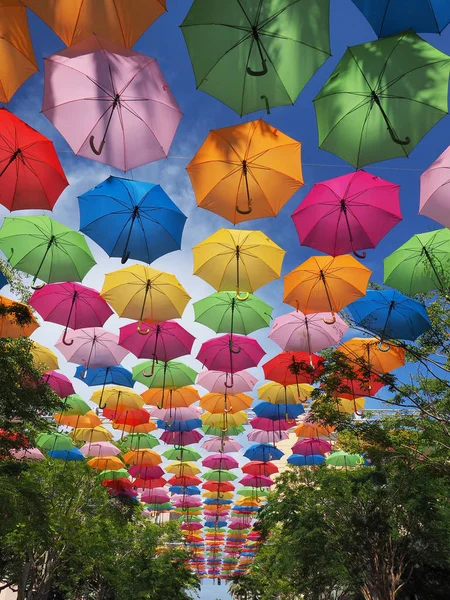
(382, 98)
(256, 55)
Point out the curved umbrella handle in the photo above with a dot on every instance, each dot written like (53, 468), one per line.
(93, 148)
(288, 420)
(85, 372)
(36, 287)
(333, 320)
(147, 374)
(64, 340)
(266, 100)
(360, 413)
(226, 428)
(397, 140)
(233, 351)
(361, 255)
(244, 212)
(125, 257)
(139, 330)
(383, 349)
(228, 410)
(259, 73)
(231, 384)
(242, 298)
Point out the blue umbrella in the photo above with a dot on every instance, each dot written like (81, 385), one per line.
(187, 425)
(189, 490)
(263, 452)
(388, 17)
(306, 461)
(277, 412)
(70, 455)
(105, 376)
(217, 501)
(213, 524)
(131, 219)
(390, 314)
(3, 280)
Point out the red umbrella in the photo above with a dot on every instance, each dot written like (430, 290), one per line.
(257, 467)
(146, 472)
(215, 486)
(149, 484)
(127, 417)
(31, 175)
(288, 368)
(358, 386)
(184, 481)
(118, 484)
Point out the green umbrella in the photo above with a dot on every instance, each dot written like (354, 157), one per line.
(74, 405)
(224, 313)
(139, 441)
(344, 459)
(54, 441)
(382, 98)
(117, 474)
(159, 507)
(217, 431)
(219, 475)
(421, 265)
(182, 454)
(256, 55)
(248, 492)
(46, 249)
(169, 375)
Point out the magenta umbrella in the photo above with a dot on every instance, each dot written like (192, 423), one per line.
(347, 213)
(181, 497)
(309, 446)
(219, 444)
(220, 461)
(156, 496)
(230, 353)
(99, 449)
(70, 304)
(267, 437)
(218, 382)
(59, 383)
(435, 190)
(181, 438)
(191, 526)
(236, 525)
(111, 104)
(213, 513)
(93, 347)
(269, 424)
(146, 472)
(307, 333)
(256, 481)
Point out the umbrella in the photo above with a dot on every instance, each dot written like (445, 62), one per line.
(72, 305)
(360, 384)
(111, 463)
(30, 172)
(3, 280)
(131, 417)
(184, 481)
(267, 424)
(131, 219)
(44, 359)
(258, 481)
(182, 454)
(139, 441)
(238, 259)
(230, 353)
(54, 441)
(124, 116)
(74, 405)
(310, 429)
(219, 382)
(390, 314)
(325, 283)
(240, 57)
(16, 319)
(180, 426)
(99, 449)
(421, 264)
(300, 460)
(218, 486)
(368, 353)
(91, 434)
(267, 410)
(183, 413)
(46, 249)
(142, 458)
(69, 455)
(267, 437)
(59, 383)
(92, 347)
(117, 398)
(183, 468)
(369, 111)
(388, 17)
(310, 446)
(220, 461)
(349, 407)
(164, 375)
(225, 403)
(187, 491)
(434, 194)
(262, 452)
(224, 420)
(347, 213)
(27, 454)
(179, 398)
(219, 475)
(257, 467)
(116, 20)
(181, 438)
(293, 368)
(344, 459)
(17, 58)
(105, 376)
(247, 171)
(221, 444)
(277, 394)
(143, 293)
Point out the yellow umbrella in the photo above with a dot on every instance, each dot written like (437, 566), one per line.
(117, 397)
(11, 313)
(223, 495)
(44, 358)
(183, 469)
(217, 420)
(217, 403)
(110, 463)
(247, 502)
(281, 394)
(356, 405)
(325, 283)
(142, 293)
(182, 397)
(238, 259)
(142, 458)
(369, 353)
(17, 61)
(86, 421)
(91, 434)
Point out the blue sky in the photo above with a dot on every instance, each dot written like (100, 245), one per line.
(165, 42)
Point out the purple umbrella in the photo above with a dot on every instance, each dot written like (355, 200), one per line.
(230, 353)
(309, 446)
(59, 383)
(181, 438)
(220, 461)
(218, 382)
(111, 104)
(219, 444)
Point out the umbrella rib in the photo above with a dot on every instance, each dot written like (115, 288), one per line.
(71, 67)
(384, 67)
(366, 119)
(282, 37)
(417, 101)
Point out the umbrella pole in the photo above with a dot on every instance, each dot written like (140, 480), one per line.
(103, 389)
(438, 277)
(86, 364)
(102, 143)
(64, 341)
(380, 344)
(247, 189)
(12, 158)
(147, 288)
(233, 350)
(49, 245)
(392, 133)
(126, 253)
(158, 329)
(361, 255)
(308, 337)
(238, 292)
(330, 304)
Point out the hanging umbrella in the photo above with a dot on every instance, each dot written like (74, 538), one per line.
(257, 467)
(72, 305)
(143, 293)
(74, 405)
(434, 190)
(105, 376)
(247, 171)
(219, 420)
(275, 412)
(139, 441)
(359, 384)
(59, 383)
(111, 463)
(99, 449)
(117, 398)
(347, 213)
(16, 319)
(218, 486)
(54, 441)
(183, 468)
(344, 459)
(165, 376)
(44, 359)
(267, 424)
(277, 394)
(219, 475)
(179, 398)
(180, 426)
(181, 438)
(220, 462)
(142, 458)
(68, 455)
(350, 407)
(293, 368)
(182, 454)
(225, 403)
(131, 417)
(310, 429)
(183, 413)
(219, 382)
(30, 172)
(300, 460)
(258, 481)
(370, 110)
(262, 452)
(221, 445)
(388, 17)
(229, 353)
(131, 219)
(267, 437)
(368, 353)
(46, 249)
(240, 57)
(184, 481)
(27, 454)
(421, 264)
(324, 283)
(91, 434)
(120, 21)
(307, 447)
(124, 116)
(390, 314)
(238, 259)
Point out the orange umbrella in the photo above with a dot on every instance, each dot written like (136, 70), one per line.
(216, 403)
(87, 421)
(180, 398)
(142, 458)
(106, 463)
(307, 429)
(247, 171)
(371, 354)
(121, 21)
(140, 428)
(16, 319)
(325, 283)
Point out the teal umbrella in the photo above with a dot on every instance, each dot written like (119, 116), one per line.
(256, 55)
(382, 98)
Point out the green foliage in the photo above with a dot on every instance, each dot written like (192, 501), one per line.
(16, 283)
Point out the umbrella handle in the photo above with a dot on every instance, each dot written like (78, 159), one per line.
(36, 287)
(139, 330)
(64, 340)
(125, 257)
(359, 413)
(225, 430)
(397, 140)
(233, 351)
(242, 298)
(244, 212)
(266, 100)
(333, 320)
(228, 410)
(361, 255)
(260, 73)
(288, 420)
(93, 148)
(383, 349)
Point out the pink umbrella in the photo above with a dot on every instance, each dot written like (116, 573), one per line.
(187, 503)
(156, 496)
(146, 472)
(219, 444)
(59, 383)
(435, 190)
(347, 213)
(182, 497)
(181, 438)
(256, 481)
(218, 382)
(72, 305)
(230, 353)
(220, 461)
(111, 104)
(183, 413)
(191, 526)
(93, 347)
(27, 454)
(236, 525)
(307, 333)
(267, 437)
(269, 424)
(213, 513)
(309, 446)
(99, 449)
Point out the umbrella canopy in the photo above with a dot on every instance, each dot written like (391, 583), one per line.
(218, 382)
(300, 460)
(143, 293)
(221, 444)
(257, 467)
(267, 437)
(131, 417)
(267, 424)
(182, 454)
(139, 441)
(324, 283)
(179, 398)
(360, 384)
(111, 463)
(238, 259)
(229, 353)
(131, 219)
(91, 434)
(142, 458)
(74, 405)
(275, 393)
(276, 412)
(183, 468)
(347, 213)
(16, 319)
(262, 452)
(99, 449)
(258, 481)
(434, 190)
(164, 341)
(120, 21)
(92, 347)
(124, 116)
(44, 359)
(293, 368)
(307, 447)
(105, 376)
(69, 455)
(369, 111)
(310, 429)
(390, 314)
(218, 420)
(247, 171)
(116, 398)
(45, 248)
(30, 172)
(181, 438)
(239, 56)
(344, 459)
(90, 419)
(220, 462)
(219, 475)
(54, 441)
(60, 384)
(164, 375)
(225, 403)
(368, 353)
(27, 454)
(420, 265)
(183, 413)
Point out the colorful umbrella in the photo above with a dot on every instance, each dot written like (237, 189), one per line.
(368, 353)
(105, 376)
(91, 434)
(434, 194)
(183, 468)
(257, 467)
(146, 472)
(347, 213)
(59, 383)
(68, 455)
(310, 446)
(142, 458)
(247, 171)
(300, 460)
(72, 305)
(131, 219)
(220, 444)
(225, 403)
(182, 454)
(139, 441)
(117, 397)
(267, 437)
(99, 449)
(27, 454)
(268, 424)
(293, 368)
(74, 405)
(240, 57)
(359, 384)
(179, 398)
(218, 382)
(262, 452)
(46, 249)
(230, 353)
(220, 462)
(344, 459)
(219, 420)
(164, 376)
(131, 417)
(124, 117)
(324, 283)
(181, 438)
(257, 481)
(54, 441)
(44, 359)
(310, 429)
(276, 393)
(275, 412)
(16, 319)
(111, 463)
(382, 98)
